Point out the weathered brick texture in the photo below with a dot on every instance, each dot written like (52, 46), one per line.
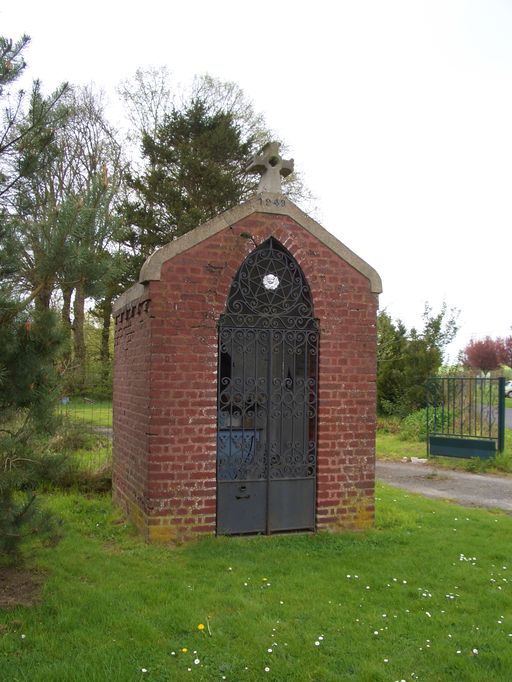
(166, 383)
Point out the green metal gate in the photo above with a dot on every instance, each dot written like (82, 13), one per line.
(465, 417)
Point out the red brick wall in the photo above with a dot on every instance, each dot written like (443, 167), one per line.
(131, 405)
(174, 350)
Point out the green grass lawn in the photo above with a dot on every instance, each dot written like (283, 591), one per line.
(100, 455)
(84, 434)
(424, 596)
(391, 447)
(93, 412)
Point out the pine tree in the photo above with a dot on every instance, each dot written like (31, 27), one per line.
(194, 170)
(29, 336)
(29, 342)
(63, 208)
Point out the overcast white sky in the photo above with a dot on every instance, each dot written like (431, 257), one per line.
(398, 113)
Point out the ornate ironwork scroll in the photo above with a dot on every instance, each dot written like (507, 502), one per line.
(270, 290)
(267, 397)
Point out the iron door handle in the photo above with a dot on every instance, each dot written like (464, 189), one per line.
(242, 497)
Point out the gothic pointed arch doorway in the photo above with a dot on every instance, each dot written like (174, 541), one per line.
(267, 398)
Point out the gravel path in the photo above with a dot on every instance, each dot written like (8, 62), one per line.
(474, 490)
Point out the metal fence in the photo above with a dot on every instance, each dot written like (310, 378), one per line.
(466, 416)
(85, 431)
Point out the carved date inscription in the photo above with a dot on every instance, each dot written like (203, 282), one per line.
(280, 203)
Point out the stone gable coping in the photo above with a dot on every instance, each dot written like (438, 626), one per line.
(136, 291)
(263, 202)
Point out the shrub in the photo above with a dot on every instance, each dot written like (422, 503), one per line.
(24, 470)
(406, 359)
(390, 424)
(90, 480)
(72, 436)
(414, 426)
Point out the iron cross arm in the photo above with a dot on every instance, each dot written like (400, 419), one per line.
(271, 166)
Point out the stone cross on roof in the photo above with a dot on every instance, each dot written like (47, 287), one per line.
(271, 166)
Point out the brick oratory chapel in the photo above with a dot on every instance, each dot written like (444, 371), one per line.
(245, 377)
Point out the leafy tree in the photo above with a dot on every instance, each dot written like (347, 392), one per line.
(392, 339)
(29, 337)
(406, 359)
(482, 354)
(26, 142)
(229, 97)
(195, 146)
(506, 357)
(194, 171)
(62, 217)
(148, 99)
(488, 354)
(32, 132)
(96, 268)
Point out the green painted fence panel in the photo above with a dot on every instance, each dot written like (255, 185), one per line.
(445, 446)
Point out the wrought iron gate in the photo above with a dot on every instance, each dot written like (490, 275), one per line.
(267, 398)
(465, 416)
